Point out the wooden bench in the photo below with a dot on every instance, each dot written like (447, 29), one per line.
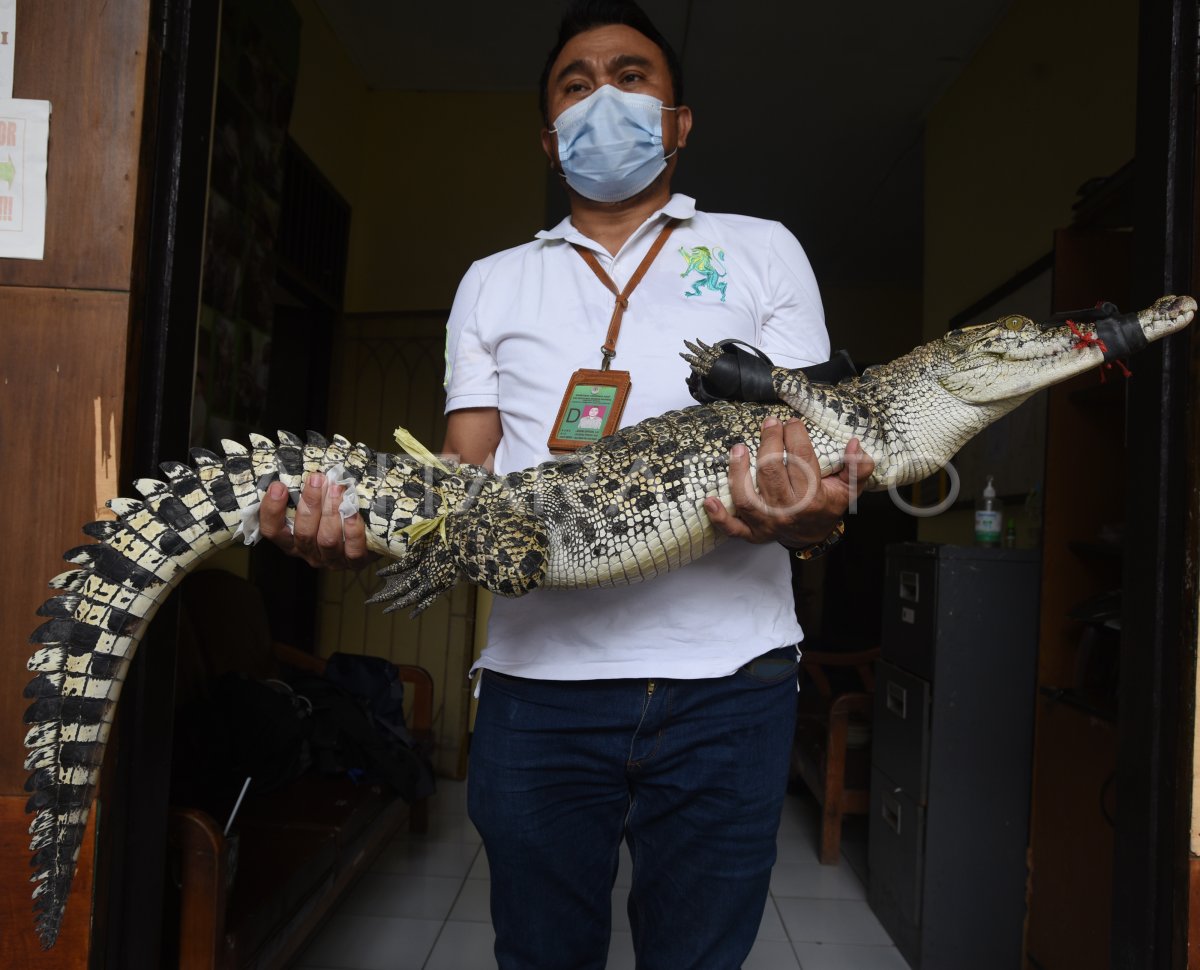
(253, 898)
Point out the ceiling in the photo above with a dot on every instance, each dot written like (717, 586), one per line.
(810, 113)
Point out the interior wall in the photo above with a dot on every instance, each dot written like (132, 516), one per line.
(1046, 103)
(66, 322)
(875, 323)
(436, 179)
(329, 110)
(450, 178)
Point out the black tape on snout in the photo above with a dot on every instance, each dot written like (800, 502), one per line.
(743, 373)
(1122, 335)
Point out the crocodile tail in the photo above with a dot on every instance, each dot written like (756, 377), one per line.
(103, 606)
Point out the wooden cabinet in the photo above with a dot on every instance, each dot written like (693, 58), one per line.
(1075, 746)
(1071, 862)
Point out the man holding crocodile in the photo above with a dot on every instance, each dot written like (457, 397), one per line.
(660, 713)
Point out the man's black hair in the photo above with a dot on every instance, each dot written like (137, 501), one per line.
(584, 15)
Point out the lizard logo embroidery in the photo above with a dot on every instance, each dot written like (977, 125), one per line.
(709, 263)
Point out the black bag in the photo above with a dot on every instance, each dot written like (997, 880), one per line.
(377, 682)
(351, 722)
(243, 728)
(357, 724)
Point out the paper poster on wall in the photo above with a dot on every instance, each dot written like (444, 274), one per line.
(24, 140)
(8, 44)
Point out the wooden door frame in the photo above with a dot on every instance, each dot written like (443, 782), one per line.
(1157, 694)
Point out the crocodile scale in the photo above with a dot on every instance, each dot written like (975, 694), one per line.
(620, 511)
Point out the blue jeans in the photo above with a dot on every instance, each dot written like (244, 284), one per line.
(691, 773)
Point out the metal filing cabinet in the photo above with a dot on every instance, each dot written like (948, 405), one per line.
(951, 753)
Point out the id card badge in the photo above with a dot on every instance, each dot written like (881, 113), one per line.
(591, 408)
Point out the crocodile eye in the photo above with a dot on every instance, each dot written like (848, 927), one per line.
(1014, 323)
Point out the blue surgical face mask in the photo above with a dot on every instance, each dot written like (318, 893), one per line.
(610, 144)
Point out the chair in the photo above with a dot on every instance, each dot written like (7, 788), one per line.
(831, 751)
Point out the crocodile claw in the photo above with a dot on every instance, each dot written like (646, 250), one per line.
(702, 356)
(418, 578)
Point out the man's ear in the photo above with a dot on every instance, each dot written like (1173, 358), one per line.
(550, 147)
(683, 125)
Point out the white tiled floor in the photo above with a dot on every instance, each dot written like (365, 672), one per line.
(424, 905)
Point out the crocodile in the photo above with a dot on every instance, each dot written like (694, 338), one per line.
(618, 511)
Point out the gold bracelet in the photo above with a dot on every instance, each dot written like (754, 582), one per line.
(822, 547)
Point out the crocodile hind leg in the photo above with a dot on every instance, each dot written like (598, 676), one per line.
(418, 577)
(502, 548)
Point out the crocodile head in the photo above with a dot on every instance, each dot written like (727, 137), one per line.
(913, 414)
(1002, 363)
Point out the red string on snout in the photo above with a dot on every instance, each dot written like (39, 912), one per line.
(1085, 340)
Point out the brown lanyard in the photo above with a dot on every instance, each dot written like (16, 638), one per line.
(609, 350)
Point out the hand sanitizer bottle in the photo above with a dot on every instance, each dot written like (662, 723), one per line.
(988, 517)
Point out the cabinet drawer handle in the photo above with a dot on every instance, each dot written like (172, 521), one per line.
(890, 809)
(897, 700)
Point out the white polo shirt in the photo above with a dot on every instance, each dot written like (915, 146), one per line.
(525, 319)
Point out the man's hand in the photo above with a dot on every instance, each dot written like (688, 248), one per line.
(792, 504)
(319, 536)
(322, 538)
